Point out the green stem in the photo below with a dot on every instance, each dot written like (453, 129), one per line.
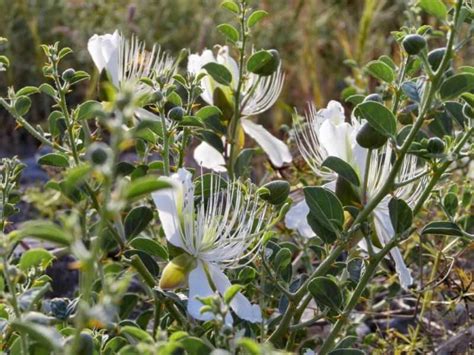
(24, 123)
(366, 277)
(166, 148)
(236, 116)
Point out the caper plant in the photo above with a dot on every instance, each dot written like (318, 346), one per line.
(175, 255)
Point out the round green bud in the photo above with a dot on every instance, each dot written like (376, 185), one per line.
(414, 44)
(435, 145)
(435, 57)
(175, 272)
(176, 113)
(99, 153)
(368, 137)
(374, 97)
(68, 74)
(269, 61)
(275, 192)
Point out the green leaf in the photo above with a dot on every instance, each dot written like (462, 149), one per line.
(79, 76)
(434, 7)
(275, 192)
(326, 293)
(219, 73)
(143, 186)
(450, 203)
(229, 31)
(137, 334)
(378, 116)
(43, 335)
(381, 71)
(137, 220)
(282, 259)
(231, 292)
(194, 346)
(35, 257)
(263, 62)
(256, 17)
(242, 163)
(231, 6)
(150, 246)
(401, 215)
(456, 85)
(48, 90)
(325, 207)
(342, 168)
(442, 228)
(54, 159)
(42, 230)
(22, 105)
(64, 52)
(88, 110)
(27, 90)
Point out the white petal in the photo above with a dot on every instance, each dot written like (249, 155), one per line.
(240, 304)
(198, 287)
(224, 58)
(336, 139)
(209, 157)
(296, 219)
(385, 232)
(111, 49)
(95, 50)
(277, 151)
(333, 112)
(175, 208)
(168, 202)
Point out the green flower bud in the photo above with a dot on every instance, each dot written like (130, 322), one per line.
(374, 97)
(68, 74)
(176, 272)
(435, 145)
(275, 192)
(99, 153)
(414, 44)
(176, 113)
(369, 138)
(435, 57)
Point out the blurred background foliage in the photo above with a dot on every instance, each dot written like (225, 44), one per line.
(314, 37)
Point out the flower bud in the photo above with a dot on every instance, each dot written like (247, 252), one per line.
(435, 57)
(435, 145)
(368, 137)
(99, 153)
(175, 273)
(275, 192)
(414, 44)
(68, 74)
(176, 113)
(374, 97)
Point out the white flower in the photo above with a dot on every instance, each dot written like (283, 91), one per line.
(218, 233)
(127, 60)
(327, 134)
(259, 93)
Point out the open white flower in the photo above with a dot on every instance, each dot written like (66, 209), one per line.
(127, 60)
(259, 93)
(325, 134)
(217, 233)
